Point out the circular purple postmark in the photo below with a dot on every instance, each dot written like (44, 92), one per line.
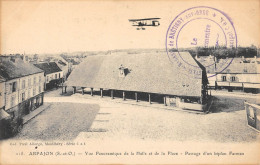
(203, 28)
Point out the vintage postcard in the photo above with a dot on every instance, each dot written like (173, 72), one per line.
(129, 82)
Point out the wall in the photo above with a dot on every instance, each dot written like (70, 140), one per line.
(191, 106)
(30, 89)
(212, 79)
(2, 94)
(51, 76)
(246, 80)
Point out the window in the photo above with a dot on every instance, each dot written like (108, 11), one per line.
(34, 91)
(233, 78)
(29, 93)
(12, 101)
(59, 75)
(56, 76)
(34, 80)
(29, 82)
(23, 84)
(13, 87)
(40, 89)
(224, 78)
(23, 96)
(40, 78)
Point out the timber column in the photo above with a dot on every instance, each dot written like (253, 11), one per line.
(112, 94)
(123, 95)
(164, 100)
(74, 90)
(136, 97)
(82, 88)
(149, 95)
(91, 91)
(101, 92)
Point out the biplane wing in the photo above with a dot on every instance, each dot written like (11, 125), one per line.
(145, 22)
(134, 20)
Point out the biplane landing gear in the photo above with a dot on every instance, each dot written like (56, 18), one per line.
(141, 28)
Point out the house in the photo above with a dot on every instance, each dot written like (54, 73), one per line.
(2, 92)
(53, 74)
(147, 76)
(2, 98)
(72, 62)
(22, 86)
(65, 68)
(241, 74)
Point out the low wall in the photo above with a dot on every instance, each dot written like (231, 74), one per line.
(191, 106)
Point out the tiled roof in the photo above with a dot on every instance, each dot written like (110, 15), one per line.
(61, 63)
(10, 69)
(241, 66)
(48, 68)
(153, 73)
(238, 65)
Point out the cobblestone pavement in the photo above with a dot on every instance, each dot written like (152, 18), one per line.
(125, 121)
(86, 117)
(60, 121)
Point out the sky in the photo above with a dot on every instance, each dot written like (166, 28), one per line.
(67, 26)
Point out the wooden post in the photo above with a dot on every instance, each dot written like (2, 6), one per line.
(243, 87)
(123, 95)
(164, 100)
(74, 90)
(112, 94)
(42, 98)
(65, 89)
(101, 92)
(136, 97)
(149, 95)
(82, 90)
(91, 91)
(201, 100)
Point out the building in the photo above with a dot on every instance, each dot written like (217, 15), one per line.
(2, 92)
(72, 63)
(53, 74)
(22, 86)
(148, 76)
(242, 74)
(65, 67)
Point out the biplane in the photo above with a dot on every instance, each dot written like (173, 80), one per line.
(140, 23)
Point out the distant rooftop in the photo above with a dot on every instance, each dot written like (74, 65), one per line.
(12, 68)
(48, 68)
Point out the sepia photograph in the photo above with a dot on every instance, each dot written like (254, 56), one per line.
(129, 82)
